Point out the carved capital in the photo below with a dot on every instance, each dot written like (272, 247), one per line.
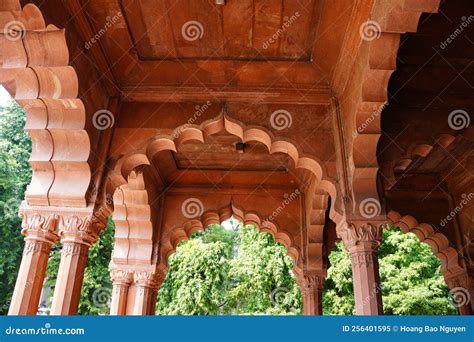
(311, 282)
(78, 229)
(39, 226)
(148, 278)
(360, 236)
(460, 280)
(120, 277)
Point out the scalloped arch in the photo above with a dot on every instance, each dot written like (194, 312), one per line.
(186, 133)
(377, 66)
(178, 234)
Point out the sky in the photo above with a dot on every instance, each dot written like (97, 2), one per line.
(4, 96)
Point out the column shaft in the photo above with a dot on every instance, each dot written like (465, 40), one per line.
(67, 291)
(31, 274)
(40, 232)
(362, 240)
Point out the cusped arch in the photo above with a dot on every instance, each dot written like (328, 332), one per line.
(46, 87)
(375, 66)
(170, 241)
(187, 133)
(438, 242)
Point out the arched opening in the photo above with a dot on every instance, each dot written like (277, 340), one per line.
(229, 269)
(411, 280)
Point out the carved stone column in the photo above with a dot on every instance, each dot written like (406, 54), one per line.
(40, 235)
(312, 292)
(362, 240)
(460, 293)
(121, 280)
(142, 295)
(77, 234)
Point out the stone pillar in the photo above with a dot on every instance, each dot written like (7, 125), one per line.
(121, 281)
(362, 240)
(460, 293)
(40, 232)
(312, 292)
(142, 295)
(77, 234)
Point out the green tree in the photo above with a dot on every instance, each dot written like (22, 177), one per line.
(15, 175)
(195, 282)
(241, 271)
(410, 277)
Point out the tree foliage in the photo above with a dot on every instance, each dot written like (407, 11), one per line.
(241, 271)
(15, 175)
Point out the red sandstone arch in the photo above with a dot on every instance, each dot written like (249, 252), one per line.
(170, 241)
(439, 243)
(126, 164)
(47, 88)
(373, 67)
(416, 150)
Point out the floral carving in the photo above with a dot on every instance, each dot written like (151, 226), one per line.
(74, 249)
(355, 234)
(38, 223)
(35, 246)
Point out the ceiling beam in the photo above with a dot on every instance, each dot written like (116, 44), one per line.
(242, 94)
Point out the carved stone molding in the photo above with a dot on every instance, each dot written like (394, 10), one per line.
(148, 279)
(363, 259)
(121, 276)
(310, 282)
(35, 246)
(40, 226)
(74, 249)
(361, 236)
(461, 280)
(80, 229)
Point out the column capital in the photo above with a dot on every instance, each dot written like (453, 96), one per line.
(119, 276)
(460, 280)
(39, 226)
(148, 278)
(361, 235)
(80, 225)
(312, 280)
